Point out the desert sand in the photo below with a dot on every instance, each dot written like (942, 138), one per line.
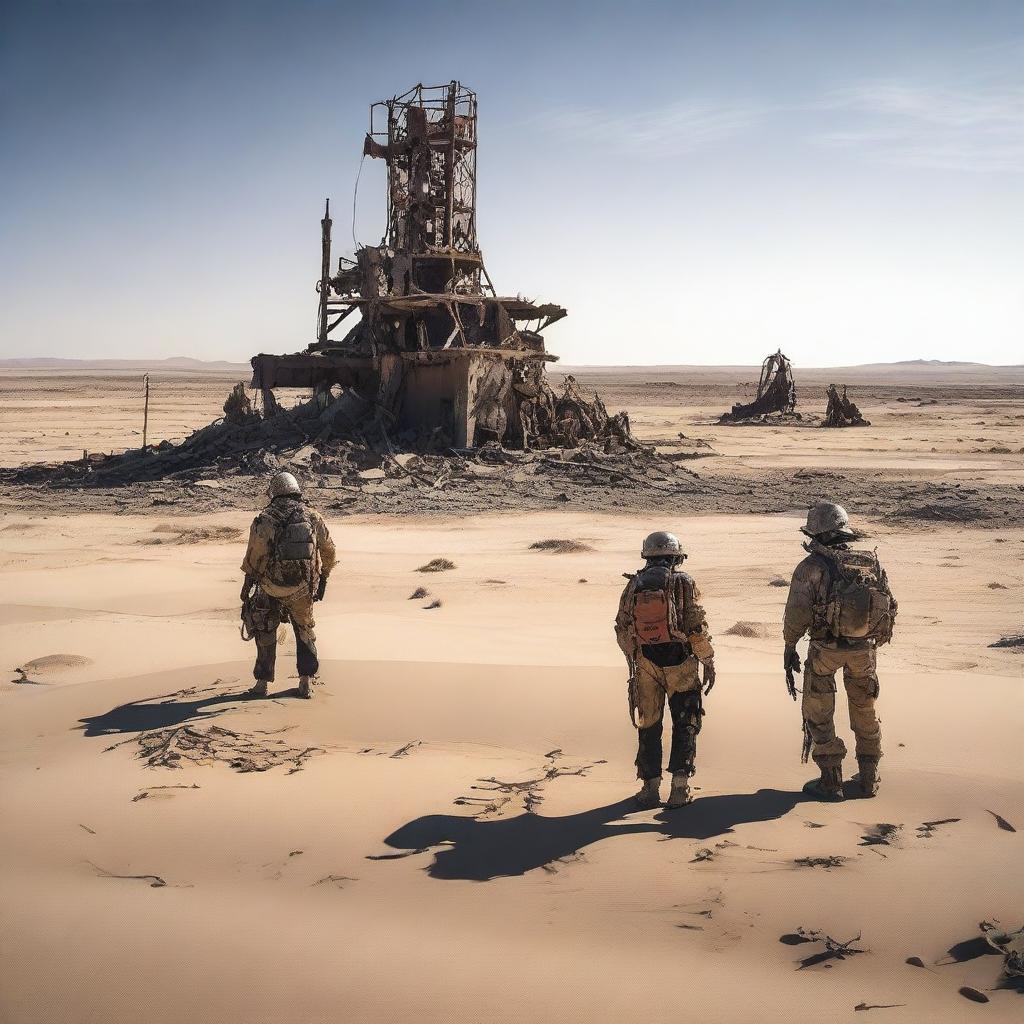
(445, 831)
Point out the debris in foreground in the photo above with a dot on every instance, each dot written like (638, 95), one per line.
(1009, 943)
(829, 862)
(1002, 823)
(169, 748)
(834, 949)
(1013, 640)
(973, 994)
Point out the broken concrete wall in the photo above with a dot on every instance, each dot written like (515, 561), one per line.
(434, 401)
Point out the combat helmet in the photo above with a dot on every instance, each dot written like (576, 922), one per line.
(828, 518)
(662, 544)
(283, 483)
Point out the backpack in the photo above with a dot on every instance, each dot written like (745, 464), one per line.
(858, 603)
(654, 605)
(293, 548)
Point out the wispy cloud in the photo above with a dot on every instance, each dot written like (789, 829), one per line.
(967, 129)
(964, 127)
(678, 127)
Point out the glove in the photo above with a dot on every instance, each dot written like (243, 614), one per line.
(790, 659)
(709, 677)
(791, 665)
(321, 589)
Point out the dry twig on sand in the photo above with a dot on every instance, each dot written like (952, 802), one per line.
(168, 748)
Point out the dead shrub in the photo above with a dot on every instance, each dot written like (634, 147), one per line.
(437, 565)
(756, 630)
(560, 547)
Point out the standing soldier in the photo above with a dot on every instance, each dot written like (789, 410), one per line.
(840, 597)
(289, 558)
(662, 630)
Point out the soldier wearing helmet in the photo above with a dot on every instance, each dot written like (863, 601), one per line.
(286, 566)
(841, 598)
(662, 630)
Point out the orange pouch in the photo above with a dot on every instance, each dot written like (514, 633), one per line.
(650, 617)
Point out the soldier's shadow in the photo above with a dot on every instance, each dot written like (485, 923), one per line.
(162, 712)
(479, 850)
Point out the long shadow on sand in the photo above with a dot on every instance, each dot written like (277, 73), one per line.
(478, 850)
(161, 712)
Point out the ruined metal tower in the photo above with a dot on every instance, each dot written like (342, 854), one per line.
(436, 349)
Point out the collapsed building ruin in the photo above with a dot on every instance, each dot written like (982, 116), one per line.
(436, 357)
(842, 411)
(776, 394)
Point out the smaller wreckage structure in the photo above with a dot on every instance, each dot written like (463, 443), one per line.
(842, 411)
(437, 358)
(776, 395)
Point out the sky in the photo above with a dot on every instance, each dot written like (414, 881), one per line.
(696, 182)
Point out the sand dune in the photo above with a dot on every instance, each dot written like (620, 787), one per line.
(444, 832)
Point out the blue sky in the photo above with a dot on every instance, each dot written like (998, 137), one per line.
(695, 182)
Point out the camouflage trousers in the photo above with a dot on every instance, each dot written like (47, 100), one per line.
(680, 686)
(268, 613)
(819, 703)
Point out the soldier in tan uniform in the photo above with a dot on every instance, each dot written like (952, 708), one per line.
(841, 598)
(662, 630)
(286, 566)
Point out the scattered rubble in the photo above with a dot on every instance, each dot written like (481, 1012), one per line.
(841, 410)
(1009, 943)
(927, 828)
(832, 861)
(882, 834)
(776, 396)
(169, 748)
(834, 948)
(1013, 640)
(1002, 823)
(973, 994)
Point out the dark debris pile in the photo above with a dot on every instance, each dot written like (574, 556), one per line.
(355, 462)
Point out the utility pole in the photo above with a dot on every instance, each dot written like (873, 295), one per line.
(325, 271)
(145, 413)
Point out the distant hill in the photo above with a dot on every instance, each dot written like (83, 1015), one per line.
(908, 371)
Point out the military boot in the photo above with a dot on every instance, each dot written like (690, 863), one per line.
(868, 775)
(258, 689)
(306, 687)
(680, 795)
(649, 795)
(829, 786)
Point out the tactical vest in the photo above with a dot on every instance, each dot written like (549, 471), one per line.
(858, 604)
(654, 605)
(293, 549)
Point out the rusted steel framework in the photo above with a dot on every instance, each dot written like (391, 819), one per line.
(776, 392)
(435, 347)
